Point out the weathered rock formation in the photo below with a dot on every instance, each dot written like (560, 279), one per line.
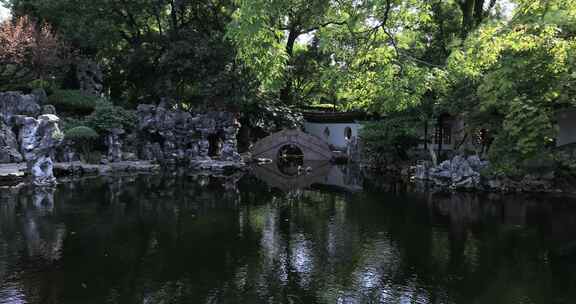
(230, 146)
(49, 109)
(9, 148)
(39, 139)
(175, 136)
(66, 152)
(464, 173)
(15, 103)
(527, 183)
(458, 173)
(90, 77)
(11, 105)
(114, 145)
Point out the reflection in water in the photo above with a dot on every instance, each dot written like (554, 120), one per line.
(30, 242)
(318, 174)
(200, 239)
(290, 160)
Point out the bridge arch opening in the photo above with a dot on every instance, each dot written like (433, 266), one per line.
(290, 159)
(312, 148)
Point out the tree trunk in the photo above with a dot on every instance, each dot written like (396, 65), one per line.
(467, 7)
(478, 12)
(292, 36)
(174, 18)
(426, 135)
(440, 134)
(286, 91)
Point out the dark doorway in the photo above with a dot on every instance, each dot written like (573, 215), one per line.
(215, 141)
(348, 133)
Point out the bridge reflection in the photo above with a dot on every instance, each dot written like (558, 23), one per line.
(312, 174)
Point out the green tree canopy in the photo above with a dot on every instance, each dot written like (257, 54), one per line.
(520, 72)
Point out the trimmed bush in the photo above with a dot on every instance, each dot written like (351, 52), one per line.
(81, 133)
(48, 86)
(84, 139)
(73, 101)
(108, 117)
(67, 123)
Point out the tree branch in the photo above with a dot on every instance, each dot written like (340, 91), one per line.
(384, 21)
(325, 24)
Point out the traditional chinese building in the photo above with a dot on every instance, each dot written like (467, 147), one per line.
(337, 129)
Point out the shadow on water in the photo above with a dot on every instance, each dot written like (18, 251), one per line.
(265, 238)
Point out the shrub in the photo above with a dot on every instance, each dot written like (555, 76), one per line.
(107, 117)
(74, 101)
(389, 140)
(81, 133)
(48, 86)
(67, 123)
(84, 138)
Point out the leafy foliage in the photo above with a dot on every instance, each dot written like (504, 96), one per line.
(270, 115)
(67, 123)
(150, 48)
(507, 72)
(74, 101)
(29, 51)
(390, 140)
(381, 55)
(81, 133)
(84, 139)
(107, 117)
(521, 71)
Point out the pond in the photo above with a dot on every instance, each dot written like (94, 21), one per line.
(323, 236)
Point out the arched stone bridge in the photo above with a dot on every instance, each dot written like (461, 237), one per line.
(313, 148)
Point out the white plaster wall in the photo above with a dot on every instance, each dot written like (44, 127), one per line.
(337, 136)
(4, 13)
(337, 177)
(566, 127)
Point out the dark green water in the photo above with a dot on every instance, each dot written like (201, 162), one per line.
(155, 239)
